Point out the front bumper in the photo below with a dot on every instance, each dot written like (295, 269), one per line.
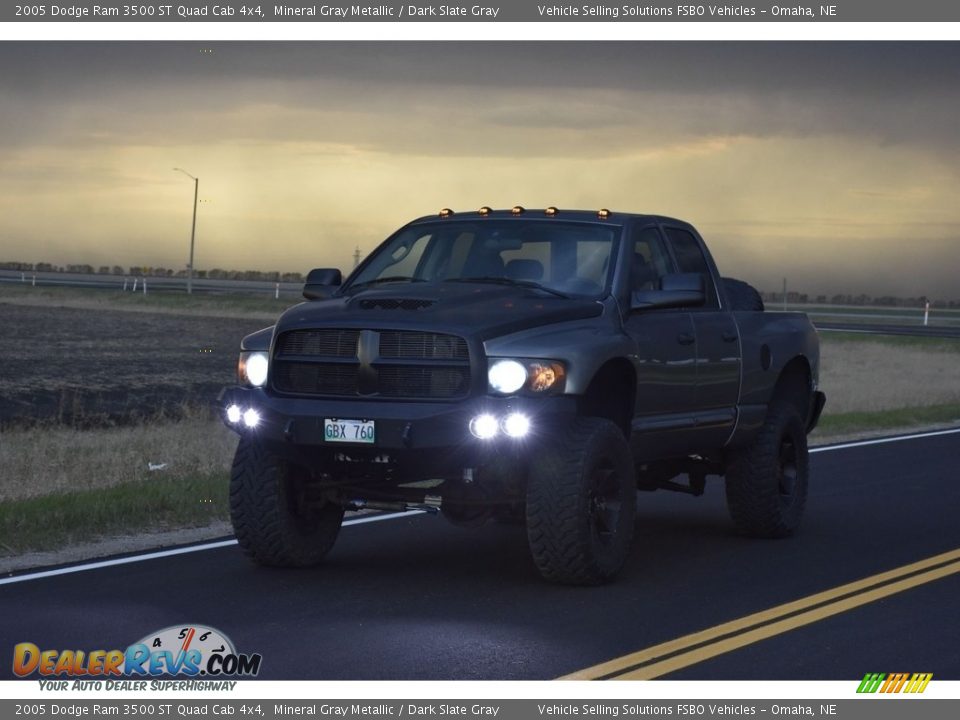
(294, 426)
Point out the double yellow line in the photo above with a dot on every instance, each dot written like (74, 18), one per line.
(674, 655)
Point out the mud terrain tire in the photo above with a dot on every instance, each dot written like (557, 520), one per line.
(767, 481)
(581, 504)
(266, 501)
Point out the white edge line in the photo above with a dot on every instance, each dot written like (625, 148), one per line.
(373, 518)
(881, 441)
(175, 551)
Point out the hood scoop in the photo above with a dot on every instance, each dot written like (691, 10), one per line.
(387, 303)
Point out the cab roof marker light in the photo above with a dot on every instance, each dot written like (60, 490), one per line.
(446, 212)
(484, 211)
(603, 213)
(517, 210)
(550, 211)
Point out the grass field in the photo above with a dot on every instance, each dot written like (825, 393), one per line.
(89, 400)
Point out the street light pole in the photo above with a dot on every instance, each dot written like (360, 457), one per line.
(193, 227)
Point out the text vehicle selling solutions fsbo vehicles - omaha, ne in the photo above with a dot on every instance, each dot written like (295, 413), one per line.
(534, 366)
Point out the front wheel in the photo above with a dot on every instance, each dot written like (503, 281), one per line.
(275, 519)
(767, 481)
(581, 504)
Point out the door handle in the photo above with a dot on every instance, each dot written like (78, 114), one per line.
(685, 339)
(729, 337)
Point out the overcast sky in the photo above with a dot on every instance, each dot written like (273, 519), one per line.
(835, 164)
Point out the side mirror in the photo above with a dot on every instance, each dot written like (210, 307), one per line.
(321, 283)
(676, 290)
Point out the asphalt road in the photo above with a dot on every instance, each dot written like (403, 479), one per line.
(416, 598)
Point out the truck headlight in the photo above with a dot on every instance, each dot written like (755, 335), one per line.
(252, 368)
(506, 376)
(536, 376)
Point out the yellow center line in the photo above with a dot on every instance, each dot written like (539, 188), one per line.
(697, 647)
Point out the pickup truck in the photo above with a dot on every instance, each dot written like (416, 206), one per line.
(534, 366)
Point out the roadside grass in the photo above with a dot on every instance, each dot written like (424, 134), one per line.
(61, 519)
(834, 337)
(41, 461)
(179, 303)
(871, 376)
(898, 419)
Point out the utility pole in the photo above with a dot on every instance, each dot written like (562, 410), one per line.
(193, 228)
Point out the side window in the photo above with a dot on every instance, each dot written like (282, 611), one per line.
(690, 259)
(650, 261)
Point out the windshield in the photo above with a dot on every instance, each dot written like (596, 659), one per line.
(563, 258)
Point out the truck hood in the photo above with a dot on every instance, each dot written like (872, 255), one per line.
(477, 310)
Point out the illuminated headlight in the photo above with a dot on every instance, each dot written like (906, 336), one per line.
(251, 418)
(233, 414)
(507, 376)
(536, 376)
(484, 426)
(252, 369)
(516, 425)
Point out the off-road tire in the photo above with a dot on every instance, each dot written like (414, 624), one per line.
(767, 481)
(581, 504)
(265, 509)
(741, 295)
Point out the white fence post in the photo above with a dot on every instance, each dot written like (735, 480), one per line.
(34, 281)
(276, 292)
(135, 284)
(926, 313)
(144, 286)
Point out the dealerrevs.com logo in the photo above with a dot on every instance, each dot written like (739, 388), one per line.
(894, 682)
(179, 650)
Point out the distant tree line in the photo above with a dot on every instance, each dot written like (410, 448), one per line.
(141, 271)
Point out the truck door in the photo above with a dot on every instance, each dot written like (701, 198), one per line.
(718, 346)
(665, 362)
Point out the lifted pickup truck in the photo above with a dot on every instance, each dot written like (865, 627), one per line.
(522, 365)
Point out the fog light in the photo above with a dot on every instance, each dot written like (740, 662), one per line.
(516, 425)
(233, 413)
(251, 418)
(484, 426)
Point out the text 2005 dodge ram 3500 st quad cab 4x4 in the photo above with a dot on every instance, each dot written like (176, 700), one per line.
(526, 365)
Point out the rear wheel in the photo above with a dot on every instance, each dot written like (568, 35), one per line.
(276, 520)
(581, 504)
(767, 481)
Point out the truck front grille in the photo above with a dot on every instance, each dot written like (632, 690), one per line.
(401, 365)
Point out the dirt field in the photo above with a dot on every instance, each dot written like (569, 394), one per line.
(83, 368)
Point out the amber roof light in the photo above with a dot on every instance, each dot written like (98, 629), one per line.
(550, 211)
(517, 210)
(603, 213)
(484, 211)
(446, 212)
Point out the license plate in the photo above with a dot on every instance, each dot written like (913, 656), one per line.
(348, 431)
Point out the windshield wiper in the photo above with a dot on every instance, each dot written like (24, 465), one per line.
(509, 281)
(389, 278)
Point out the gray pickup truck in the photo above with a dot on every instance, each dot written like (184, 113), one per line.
(535, 366)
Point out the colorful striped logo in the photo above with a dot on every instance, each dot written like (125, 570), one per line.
(894, 682)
